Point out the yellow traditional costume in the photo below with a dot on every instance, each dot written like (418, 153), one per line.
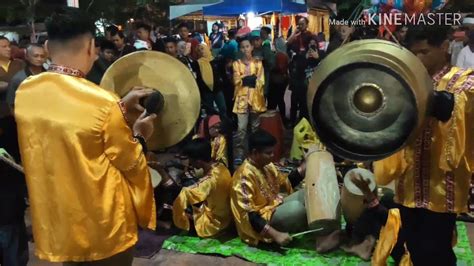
(258, 191)
(219, 150)
(213, 215)
(387, 241)
(433, 172)
(205, 66)
(249, 103)
(249, 99)
(218, 143)
(88, 180)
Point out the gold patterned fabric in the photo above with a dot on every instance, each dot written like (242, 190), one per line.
(219, 150)
(249, 99)
(87, 177)
(388, 239)
(433, 171)
(213, 215)
(255, 190)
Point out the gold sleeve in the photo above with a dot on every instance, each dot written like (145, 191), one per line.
(237, 75)
(390, 168)
(470, 126)
(453, 134)
(125, 154)
(189, 196)
(285, 184)
(260, 75)
(245, 191)
(221, 153)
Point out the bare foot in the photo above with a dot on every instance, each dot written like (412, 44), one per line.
(163, 224)
(329, 242)
(362, 250)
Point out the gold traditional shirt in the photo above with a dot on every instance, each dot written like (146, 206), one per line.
(213, 215)
(249, 99)
(433, 171)
(219, 149)
(258, 191)
(87, 177)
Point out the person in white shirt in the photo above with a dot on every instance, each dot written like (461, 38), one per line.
(466, 56)
(456, 44)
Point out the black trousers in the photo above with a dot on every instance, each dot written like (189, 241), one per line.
(298, 99)
(9, 137)
(428, 236)
(276, 98)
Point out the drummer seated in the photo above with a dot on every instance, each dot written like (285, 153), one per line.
(208, 198)
(369, 227)
(260, 212)
(210, 129)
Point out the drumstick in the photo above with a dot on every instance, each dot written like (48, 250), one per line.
(12, 164)
(307, 232)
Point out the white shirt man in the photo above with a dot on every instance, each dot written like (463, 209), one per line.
(466, 56)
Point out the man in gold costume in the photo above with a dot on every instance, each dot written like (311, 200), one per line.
(260, 211)
(249, 81)
(433, 172)
(86, 172)
(209, 198)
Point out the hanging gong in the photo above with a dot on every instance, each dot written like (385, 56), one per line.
(368, 98)
(168, 76)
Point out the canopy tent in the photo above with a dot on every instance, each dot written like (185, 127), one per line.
(236, 7)
(177, 11)
(323, 4)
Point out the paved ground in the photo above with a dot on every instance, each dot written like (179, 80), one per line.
(171, 258)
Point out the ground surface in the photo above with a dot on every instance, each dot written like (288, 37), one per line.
(172, 258)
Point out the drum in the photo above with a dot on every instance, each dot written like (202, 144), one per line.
(271, 122)
(322, 192)
(352, 198)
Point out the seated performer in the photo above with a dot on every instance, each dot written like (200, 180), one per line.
(87, 176)
(433, 172)
(380, 220)
(260, 212)
(210, 129)
(209, 198)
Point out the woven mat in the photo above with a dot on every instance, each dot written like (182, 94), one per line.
(301, 252)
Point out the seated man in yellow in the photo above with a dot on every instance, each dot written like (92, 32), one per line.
(209, 197)
(260, 212)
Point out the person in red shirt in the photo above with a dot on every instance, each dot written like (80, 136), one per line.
(298, 44)
(299, 40)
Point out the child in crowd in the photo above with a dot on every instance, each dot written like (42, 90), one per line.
(211, 130)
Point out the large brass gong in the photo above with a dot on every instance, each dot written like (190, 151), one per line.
(368, 98)
(172, 79)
